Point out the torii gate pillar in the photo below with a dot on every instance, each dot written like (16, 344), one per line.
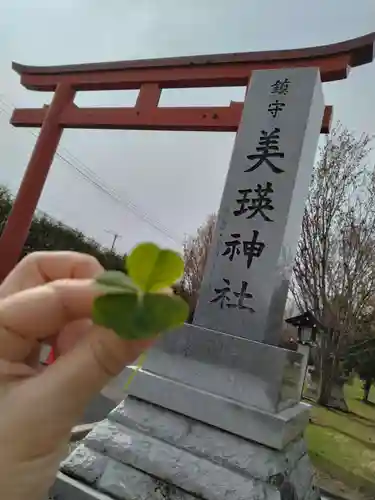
(17, 228)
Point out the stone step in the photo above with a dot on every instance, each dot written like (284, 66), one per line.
(145, 452)
(66, 488)
(107, 476)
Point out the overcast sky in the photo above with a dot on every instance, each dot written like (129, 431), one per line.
(173, 180)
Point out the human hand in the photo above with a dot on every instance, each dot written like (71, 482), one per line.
(48, 298)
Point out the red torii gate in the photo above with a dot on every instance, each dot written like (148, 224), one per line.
(150, 77)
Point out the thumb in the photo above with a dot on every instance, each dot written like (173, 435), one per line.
(57, 397)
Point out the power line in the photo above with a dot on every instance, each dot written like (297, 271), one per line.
(100, 185)
(90, 176)
(110, 191)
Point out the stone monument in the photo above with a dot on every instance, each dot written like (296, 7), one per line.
(215, 413)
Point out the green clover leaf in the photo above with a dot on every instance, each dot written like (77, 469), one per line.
(116, 282)
(152, 268)
(131, 305)
(132, 318)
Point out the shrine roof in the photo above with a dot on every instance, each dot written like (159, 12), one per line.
(361, 52)
(306, 319)
(301, 319)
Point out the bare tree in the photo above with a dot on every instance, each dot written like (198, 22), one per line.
(334, 271)
(196, 250)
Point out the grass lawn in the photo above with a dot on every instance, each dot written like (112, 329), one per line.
(342, 446)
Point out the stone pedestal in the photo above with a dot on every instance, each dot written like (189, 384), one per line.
(183, 434)
(215, 413)
(240, 386)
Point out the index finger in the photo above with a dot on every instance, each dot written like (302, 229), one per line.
(39, 268)
(39, 313)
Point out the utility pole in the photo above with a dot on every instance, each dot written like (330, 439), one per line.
(115, 237)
